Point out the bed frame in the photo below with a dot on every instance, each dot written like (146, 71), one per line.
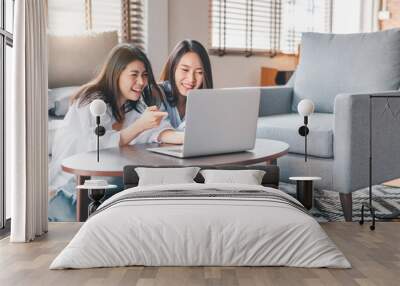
(270, 179)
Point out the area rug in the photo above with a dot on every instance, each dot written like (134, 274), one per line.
(327, 205)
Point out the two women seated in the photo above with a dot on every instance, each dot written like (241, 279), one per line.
(138, 109)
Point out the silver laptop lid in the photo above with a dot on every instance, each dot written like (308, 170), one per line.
(221, 120)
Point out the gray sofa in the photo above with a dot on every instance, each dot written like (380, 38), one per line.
(338, 73)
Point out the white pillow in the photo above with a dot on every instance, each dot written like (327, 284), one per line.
(248, 177)
(163, 176)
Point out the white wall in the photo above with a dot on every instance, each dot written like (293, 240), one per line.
(189, 19)
(156, 26)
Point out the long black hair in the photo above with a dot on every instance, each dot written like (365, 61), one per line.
(168, 72)
(105, 85)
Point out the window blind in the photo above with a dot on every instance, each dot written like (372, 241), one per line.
(265, 26)
(133, 26)
(244, 26)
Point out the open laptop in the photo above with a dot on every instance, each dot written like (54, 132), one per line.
(218, 121)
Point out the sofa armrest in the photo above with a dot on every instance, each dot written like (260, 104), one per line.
(275, 100)
(351, 140)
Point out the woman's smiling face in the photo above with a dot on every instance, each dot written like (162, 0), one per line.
(132, 81)
(189, 73)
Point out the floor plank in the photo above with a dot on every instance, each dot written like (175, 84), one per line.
(374, 255)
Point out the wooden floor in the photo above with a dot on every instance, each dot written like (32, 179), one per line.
(375, 257)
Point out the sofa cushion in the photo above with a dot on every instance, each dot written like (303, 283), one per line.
(284, 127)
(331, 64)
(75, 59)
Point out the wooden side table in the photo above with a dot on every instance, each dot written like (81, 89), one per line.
(304, 190)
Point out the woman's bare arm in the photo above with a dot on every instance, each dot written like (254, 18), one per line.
(171, 137)
(149, 119)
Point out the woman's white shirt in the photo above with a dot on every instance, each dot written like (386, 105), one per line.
(76, 135)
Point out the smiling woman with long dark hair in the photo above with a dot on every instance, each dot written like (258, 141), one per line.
(188, 67)
(126, 84)
(109, 84)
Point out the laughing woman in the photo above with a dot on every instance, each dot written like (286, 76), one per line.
(188, 67)
(126, 84)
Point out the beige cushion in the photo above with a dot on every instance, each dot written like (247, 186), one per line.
(74, 60)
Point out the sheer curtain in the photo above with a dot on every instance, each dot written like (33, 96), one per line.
(298, 16)
(26, 117)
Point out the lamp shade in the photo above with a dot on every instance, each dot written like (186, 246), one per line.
(305, 107)
(98, 107)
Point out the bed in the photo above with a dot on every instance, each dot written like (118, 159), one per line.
(200, 224)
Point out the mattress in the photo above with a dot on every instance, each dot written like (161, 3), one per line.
(201, 225)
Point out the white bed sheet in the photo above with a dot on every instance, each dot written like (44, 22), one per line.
(206, 231)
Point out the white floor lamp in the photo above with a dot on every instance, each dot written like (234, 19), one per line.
(304, 184)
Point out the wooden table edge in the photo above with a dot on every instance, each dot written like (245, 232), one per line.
(92, 173)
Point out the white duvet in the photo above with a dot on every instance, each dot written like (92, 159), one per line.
(200, 231)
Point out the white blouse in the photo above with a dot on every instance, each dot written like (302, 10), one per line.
(76, 135)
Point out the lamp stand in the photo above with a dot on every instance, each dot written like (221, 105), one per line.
(99, 131)
(369, 204)
(98, 137)
(303, 131)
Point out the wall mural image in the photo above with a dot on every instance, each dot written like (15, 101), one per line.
(139, 106)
